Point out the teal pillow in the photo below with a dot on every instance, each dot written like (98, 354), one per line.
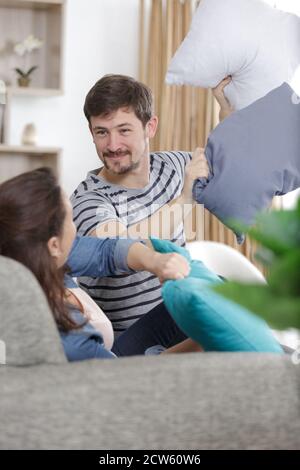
(198, 269)
(214, 322)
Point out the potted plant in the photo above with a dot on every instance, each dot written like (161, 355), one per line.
(278, 302)
(23, 49)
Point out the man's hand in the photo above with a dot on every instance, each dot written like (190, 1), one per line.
(196, 168)
(225, 107)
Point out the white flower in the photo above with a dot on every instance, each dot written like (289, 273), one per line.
(31, 43)
(28, 45)
(20, 49)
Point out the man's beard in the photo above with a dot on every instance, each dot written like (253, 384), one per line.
(119, 168)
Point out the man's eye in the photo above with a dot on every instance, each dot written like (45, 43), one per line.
(101, 133)
(125, 131)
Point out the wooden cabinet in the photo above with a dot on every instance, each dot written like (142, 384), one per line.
(19, 19)
(43, 19)
(18, 159)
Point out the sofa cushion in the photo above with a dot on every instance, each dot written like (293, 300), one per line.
(253, 155)
(255, 43)
(28, 330)
(213, 321)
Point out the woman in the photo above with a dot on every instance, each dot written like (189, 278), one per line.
(37, 229)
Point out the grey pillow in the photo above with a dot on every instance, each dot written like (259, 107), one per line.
(254, 154)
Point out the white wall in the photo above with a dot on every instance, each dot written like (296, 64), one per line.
(101, 36)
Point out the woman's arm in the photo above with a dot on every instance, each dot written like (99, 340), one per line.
(98, 257)
(90, 256)
(80, 347)
(164, 266)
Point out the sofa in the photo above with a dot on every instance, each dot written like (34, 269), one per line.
(180, 401)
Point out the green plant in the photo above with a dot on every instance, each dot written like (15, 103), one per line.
(278, 302)
(24, 49)
(27, 74)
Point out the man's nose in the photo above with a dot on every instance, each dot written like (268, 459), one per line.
(113, 142)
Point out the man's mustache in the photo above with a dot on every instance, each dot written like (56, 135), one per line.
(118, 153)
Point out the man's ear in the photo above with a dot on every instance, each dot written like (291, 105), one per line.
(151, 127)
(54, 247)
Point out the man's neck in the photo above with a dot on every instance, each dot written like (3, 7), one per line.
(135, 179)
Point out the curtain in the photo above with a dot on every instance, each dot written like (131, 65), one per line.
(186, 114)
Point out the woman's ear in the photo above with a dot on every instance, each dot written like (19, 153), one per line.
(54, 247)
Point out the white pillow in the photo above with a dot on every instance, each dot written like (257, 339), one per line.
(248, 39)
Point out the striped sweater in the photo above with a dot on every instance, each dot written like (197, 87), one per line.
(125, 298)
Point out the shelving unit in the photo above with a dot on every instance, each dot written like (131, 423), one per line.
(18, 159)
(22, 91)
(43, 19)
(18, 19)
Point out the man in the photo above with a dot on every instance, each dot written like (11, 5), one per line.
(131, 191)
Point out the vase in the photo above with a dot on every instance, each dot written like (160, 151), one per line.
(29, 136)
(23, 81)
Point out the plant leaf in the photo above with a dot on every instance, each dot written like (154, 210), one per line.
(277, 231)
(31, 70)
(20, 72)
(284, 278)
(279, 311)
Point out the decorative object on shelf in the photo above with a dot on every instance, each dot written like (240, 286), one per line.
(2, 92)
(29, 136)
(2, 108)
(23, 49)
(1, 123)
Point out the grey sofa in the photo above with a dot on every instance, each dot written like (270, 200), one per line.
(187, 401)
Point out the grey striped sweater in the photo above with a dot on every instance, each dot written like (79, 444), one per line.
(125, 298)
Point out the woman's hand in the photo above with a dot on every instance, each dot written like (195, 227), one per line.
(169, 266)
(225, 107)
(164, 265)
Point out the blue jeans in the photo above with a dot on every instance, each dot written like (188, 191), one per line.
(155, 327)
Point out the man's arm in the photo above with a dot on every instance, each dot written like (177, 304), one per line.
(225, 107)
(163, 222)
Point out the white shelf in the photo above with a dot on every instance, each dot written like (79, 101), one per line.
(30, 4)
(31, 91)
(29, 150)
(17, 159)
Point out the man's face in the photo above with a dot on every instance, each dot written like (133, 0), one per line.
(121, 140)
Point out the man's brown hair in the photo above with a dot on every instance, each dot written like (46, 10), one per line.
(113, 92)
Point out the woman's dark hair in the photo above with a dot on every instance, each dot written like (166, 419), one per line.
(113, 92)
(31, 212)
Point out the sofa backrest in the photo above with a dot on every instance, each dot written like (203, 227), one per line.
(28, 333)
